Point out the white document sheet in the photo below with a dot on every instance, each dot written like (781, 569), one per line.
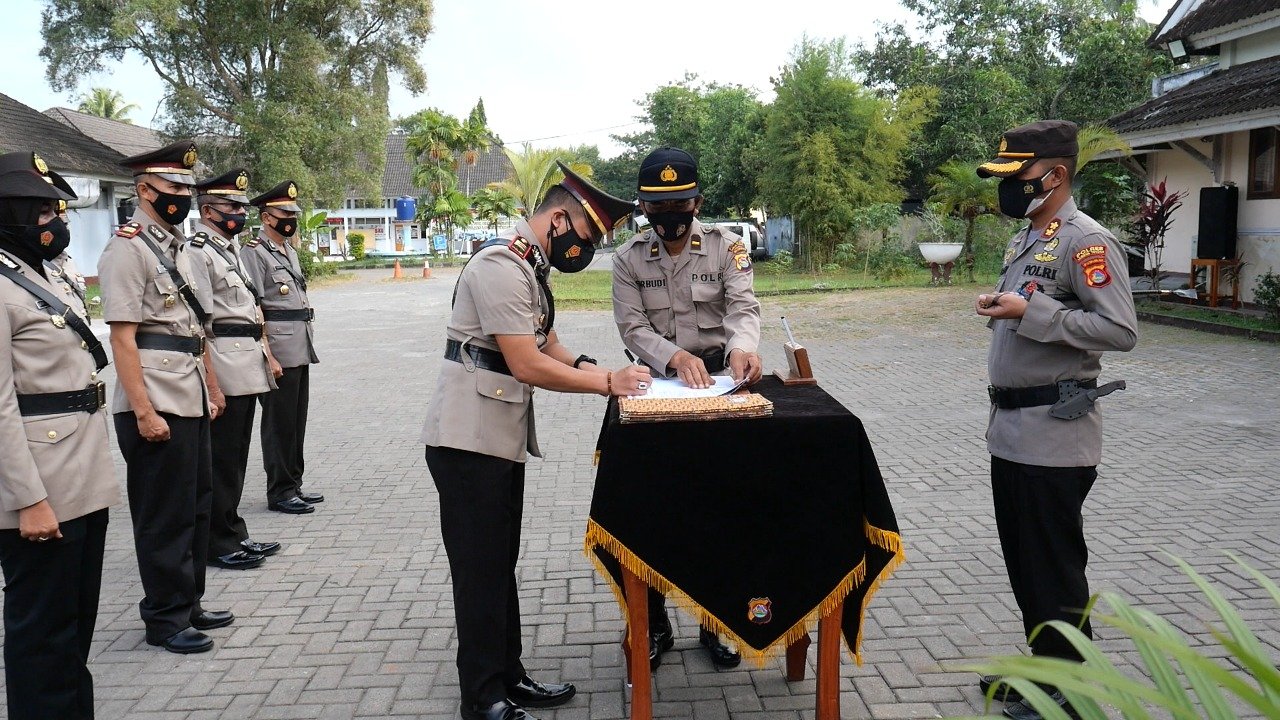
(667, 388)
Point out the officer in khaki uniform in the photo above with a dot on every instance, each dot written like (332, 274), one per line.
(276, 273)
(1062, 300)
(683, 302)
(57, 480)
(161, 406)
(62, 268)
(240, 357)
(479, 429)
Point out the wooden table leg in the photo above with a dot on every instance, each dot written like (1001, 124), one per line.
(638, 646)
(797, 653)
(828, 690)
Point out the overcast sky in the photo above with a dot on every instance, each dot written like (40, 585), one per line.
(598, 58)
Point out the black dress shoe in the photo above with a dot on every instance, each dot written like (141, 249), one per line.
(210, 619)
(661, 639)
(1022, 710)
(293, 506)
(721, 655)
(312, 498)
(238, 560)
(501, 710)
(1004, 694)
(265, 549)
(531, 693)
(184, 642)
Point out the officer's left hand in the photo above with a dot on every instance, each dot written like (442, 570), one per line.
(744, 364)
(1002, 306)
(217, 402)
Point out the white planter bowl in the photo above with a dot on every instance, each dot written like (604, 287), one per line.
(941, 253)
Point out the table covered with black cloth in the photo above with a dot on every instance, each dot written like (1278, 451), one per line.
(758, 527)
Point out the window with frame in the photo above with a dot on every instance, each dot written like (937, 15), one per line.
(1264, 171)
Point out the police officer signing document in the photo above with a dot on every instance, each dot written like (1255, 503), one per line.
(1062, 300)
(479, 429)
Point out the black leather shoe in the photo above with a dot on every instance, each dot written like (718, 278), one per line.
(293, 506)
(1022, 710)
(238, 560)
(312, 498)
(266, 549)
(501, 710)
(531, 693)
(661, 639)
(721, 655)
(184, 642)
(210, 619)
(1004, 694)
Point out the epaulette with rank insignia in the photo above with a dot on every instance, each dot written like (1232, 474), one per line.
(520, 247)
(252, 243)
(8, 262)
(653, 249)
(129, 230)
(200, 238)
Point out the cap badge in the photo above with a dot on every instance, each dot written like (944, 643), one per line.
(242, 181)
(189, 159)
(293, 191)
(668, 174)
(1004, 145)
(62, 206)
(38, 161)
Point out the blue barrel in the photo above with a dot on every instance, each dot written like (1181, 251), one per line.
(406, 209)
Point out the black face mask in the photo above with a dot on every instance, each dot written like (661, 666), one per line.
(673, 225)
(286, 226)
(570, 252)
(172, 209)
(230, 224)
(1018, 198)
(45, 242)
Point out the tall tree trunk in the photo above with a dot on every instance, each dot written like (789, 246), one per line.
(968, 247)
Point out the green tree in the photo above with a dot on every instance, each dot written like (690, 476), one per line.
(474, 137)
(293, 89)
(493, 204)
(107, 103)
(433, 146)
(959, 191)
(534, 171)
(447, 210)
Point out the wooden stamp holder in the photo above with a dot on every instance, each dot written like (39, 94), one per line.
(799, 371)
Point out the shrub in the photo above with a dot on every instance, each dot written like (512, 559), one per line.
(355, 244)
(1267, 294)
(312, 265)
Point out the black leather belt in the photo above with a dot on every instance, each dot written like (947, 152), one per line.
(90, 400)
(303, 315)
(483, 358)
(1014, 398)
(713, 360)
(174, 343)
(232, 330)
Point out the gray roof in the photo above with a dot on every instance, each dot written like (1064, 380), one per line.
(1239, 89)
(1209, 15)
(66, 149)
(125, 138)
(491, 166)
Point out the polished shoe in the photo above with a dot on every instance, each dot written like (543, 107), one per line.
(238, 560)
(266, 549)
(1022, 710)
(501, 710)
(293, 506)
(211, 619)
(721, 655)
(661, 639)
(184, 642)
(1004, 694)
(312, 498)
(531, 693)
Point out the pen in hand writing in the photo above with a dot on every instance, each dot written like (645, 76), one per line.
(632, 358)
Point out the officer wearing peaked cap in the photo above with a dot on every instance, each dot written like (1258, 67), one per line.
(1062, 300)
(161, 404)
(57, 481)
(238, 361)
(479, 430)
(273, 266)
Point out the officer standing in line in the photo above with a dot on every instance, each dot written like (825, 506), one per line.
(161, 405)
(276, 274)
(683, 302)
(241, 357)
(1062, 300)
(63, 268)
(479, 429)
(57, 481)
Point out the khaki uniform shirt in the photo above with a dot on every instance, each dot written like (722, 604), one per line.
(1082, 306)
(62, 458)
(62, 270)
(137, 289)
(240, 362)
(700, 300)
(475, 409)
(274, 272)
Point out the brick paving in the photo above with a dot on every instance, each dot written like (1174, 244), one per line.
(354, 617)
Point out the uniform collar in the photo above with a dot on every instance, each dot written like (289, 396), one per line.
(696, 243)
(271, 244)
(154, 231)
(539, 258)
(215, 237)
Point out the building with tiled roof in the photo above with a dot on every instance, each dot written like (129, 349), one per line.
(125, 138)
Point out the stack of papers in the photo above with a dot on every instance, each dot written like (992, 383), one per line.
(674, 389)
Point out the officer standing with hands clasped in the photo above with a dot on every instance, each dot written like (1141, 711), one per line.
(683, 301)
(1062, 300)
(161, 405)
(479, 429)
(241, 359)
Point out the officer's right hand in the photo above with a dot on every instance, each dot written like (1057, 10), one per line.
(153, 428)
(38, 523)
(631, 380)
(690, 369)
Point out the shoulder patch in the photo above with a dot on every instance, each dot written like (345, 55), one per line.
(128, 230)
(737, 248)
(1093, 260)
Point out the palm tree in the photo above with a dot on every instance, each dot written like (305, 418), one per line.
(106, 103)
(431, 147)
(447, 210)
(492, 203)
(1097, 139)
(959, 190)
(474, 137)
(533, 172)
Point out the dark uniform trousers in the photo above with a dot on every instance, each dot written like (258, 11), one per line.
(170, 487)
(230, 435)
(50, 609)
(1041, 525)
(284, 431)
(481, 505)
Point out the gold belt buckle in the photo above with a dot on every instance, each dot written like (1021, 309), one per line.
(101, 387)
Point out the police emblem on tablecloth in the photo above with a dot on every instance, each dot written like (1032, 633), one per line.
(1093, 260)
(760, 610)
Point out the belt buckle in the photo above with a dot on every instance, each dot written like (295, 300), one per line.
(202, 343)
(991, 393)
(101, 388)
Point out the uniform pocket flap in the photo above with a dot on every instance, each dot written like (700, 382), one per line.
(499, 387)
(658, 299)
(166, 360)
(234, 344)
(50, 430)
(706, 292)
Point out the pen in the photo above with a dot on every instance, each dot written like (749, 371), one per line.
(634, 360)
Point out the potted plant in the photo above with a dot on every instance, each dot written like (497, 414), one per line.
(938, 249)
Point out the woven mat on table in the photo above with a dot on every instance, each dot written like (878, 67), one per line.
(749, 405)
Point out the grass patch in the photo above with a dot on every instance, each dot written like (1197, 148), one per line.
(406, 261)
(1191, 312)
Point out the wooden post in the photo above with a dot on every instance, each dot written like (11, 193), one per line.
(828, 690)
(638, 646)
(797, 653)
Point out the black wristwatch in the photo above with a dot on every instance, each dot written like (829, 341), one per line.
(583, 358)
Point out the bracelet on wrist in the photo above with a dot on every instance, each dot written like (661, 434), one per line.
(583, 358)
(608, 383)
